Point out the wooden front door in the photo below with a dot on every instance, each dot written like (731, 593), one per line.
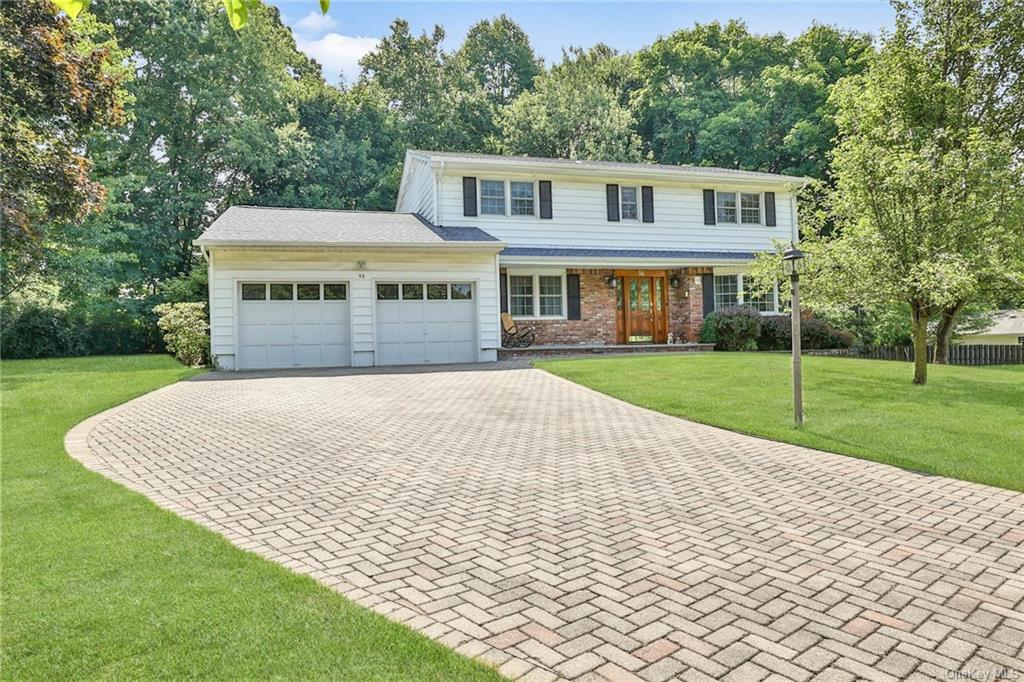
(644, 305)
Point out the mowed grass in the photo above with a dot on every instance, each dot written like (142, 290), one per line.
(98, 583)
(966, 422)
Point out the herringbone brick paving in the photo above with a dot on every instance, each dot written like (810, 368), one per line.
(558, 533)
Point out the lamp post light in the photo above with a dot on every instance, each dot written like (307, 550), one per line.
(793, 264)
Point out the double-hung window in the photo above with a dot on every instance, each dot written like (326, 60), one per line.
(725, 203)
(628, 203)
(492, 197)
(739, 290)
(750, 208)
(521, 194)
(536, 295)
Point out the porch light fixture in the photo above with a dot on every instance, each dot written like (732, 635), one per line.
(674, 281)
(794, 264)
(611, 281)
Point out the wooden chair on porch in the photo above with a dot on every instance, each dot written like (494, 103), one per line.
(512, 336)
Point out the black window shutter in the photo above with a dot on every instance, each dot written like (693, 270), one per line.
(707, 283)
(769, 209)
(544, 186)
(572, 289)
(709, 207)
(469, 196)
(612, 192)
(647, 203)
(503, 291)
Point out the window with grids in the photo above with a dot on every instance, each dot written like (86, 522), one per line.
(726, 205)
(492, 197)
(627, 203)
(726, 291)
(761, 301)
(521, 195)
(550, 292)
(750, 208)
(520, 295)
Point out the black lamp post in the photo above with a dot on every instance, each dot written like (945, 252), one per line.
(793, 264)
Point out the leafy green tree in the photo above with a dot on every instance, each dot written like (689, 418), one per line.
(498, 56)
(573, 112)
(929, 187)
(60, 81)
(438, 104)
(720, 96)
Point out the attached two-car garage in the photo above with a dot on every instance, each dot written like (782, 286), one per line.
(308, 324)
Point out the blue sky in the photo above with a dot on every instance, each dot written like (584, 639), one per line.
(351, 29)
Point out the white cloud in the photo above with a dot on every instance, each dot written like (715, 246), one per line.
(338, 54)
(314, 24)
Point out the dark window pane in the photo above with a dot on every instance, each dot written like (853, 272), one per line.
(334, 292)
(412, 292)
(437, 292)
(254, 292)
(387, 292)
(462, 291)
(281, 292)
(309, 292)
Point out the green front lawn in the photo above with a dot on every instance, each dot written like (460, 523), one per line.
(967, 422)
(97, 582)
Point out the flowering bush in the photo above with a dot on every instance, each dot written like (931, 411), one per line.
(186, 331)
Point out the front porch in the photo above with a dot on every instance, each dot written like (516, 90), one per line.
(608, 309)
(569, 349)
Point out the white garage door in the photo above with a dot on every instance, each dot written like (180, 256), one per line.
(293, 324)
(426, 323)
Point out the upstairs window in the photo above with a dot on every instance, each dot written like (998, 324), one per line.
(492, 197)
(750, 208)
(725, 203)
(628, 203)
(522, 198)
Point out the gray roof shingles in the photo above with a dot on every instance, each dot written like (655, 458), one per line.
(560, 252)
(259, 224)
(623, 165)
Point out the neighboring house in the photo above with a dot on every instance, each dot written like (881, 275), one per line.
(1007, 327)
(583, 252)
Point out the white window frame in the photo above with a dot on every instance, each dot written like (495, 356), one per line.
(508, 191)
(636, 189)
(740, 277)
(736, 198)
(480, 197)
(536, 275)
(760, 208)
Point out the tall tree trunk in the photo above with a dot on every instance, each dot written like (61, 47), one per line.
(944, 332)
(919, 320)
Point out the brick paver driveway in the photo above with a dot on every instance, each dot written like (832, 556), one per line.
(557, 532)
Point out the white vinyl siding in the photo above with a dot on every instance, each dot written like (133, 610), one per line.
(230, 267)
(419, 188)
(581, 219)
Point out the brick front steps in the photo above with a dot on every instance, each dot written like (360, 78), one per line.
(548, 350)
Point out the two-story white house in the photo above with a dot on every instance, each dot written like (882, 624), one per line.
(582, 252)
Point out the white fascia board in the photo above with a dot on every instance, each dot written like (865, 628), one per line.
(602, 263)
(512, 164)
(486, 247)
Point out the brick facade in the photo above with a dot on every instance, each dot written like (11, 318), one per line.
(597, 323)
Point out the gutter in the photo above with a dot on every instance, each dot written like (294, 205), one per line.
(365, 246)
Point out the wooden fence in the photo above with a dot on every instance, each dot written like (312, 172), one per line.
(982, 354)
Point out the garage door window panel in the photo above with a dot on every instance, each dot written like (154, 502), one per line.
(387, 292)
(462, 291)
(335, 292)
(437, 292)
(412, 292)
(308, 292)
(282, 292)
(254, 292)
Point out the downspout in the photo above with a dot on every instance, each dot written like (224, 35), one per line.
(438, 176)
